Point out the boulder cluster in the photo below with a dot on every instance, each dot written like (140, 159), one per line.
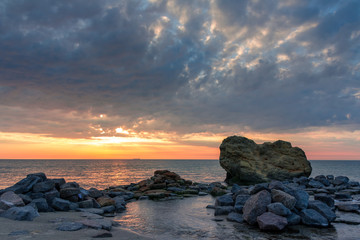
(275, 205)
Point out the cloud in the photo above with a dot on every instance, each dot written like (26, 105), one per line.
(177, 67)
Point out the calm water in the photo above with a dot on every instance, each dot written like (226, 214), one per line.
(177, 219)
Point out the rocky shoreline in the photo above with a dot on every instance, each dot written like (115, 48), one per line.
(274, 206)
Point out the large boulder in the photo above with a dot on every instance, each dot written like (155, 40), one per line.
(255, 206)
(247, 162)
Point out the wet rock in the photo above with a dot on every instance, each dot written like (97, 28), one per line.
(223, 210)
(70, 226)
(283, 197)
(61, 204)
(86, 204)
(323, 209)
(43, 186)
(323, 180)
(69, 192)
(97, 223)
(41, 204)
(325, 198)
(225, 200)
(278, 209)
(259, 187)
(340, 180)
(255, 206)
(235, 217)
(312, 218)
(263, 162)
(27, 213)
(271, 221)
(50, 195)
(315, 184)
(109, 209)
(348, 207)
(12, 198)
(293, 219)
(302, 199)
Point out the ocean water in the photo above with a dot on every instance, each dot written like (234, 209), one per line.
(177, 219)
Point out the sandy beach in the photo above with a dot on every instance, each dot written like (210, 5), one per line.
(44, 228)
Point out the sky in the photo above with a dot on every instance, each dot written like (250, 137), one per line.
(170, 79)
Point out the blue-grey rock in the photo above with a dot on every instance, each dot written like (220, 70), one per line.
(278, 209)
(43, 186)
(5, 205)
(26, 199)
(98, 211)
(50, 195)
(60, 204)
(323, 180)
(313, 218)
(301, 180)
(95, 193)
(348, 207)
(235, 217)
(27, 213)
(70, 226)
(235, 188)
(340, 180)
(41, 204)
(259, 187)
(302, 199)
(109, 209)
(315, 184)
(224, 200)
(238, 208)
(144, 198)
(202, 193)
(13, 198)
(283, 197)
(18, 233)
(176, 189)
(354, 184)
(323, 209)
(41, 175)
(25, 185)
(36, 195)
(241, 199)
(255, 206)
(293, 219)
(271, 221)
(276, 185)
(223, 210)
(120, 204)
(69, 192)
(325, 198)
(330, 177)
(58, 182)
(86, 204)
(343, 196)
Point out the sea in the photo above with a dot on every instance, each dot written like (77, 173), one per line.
(177, 219)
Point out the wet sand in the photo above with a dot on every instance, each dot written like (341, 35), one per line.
(44, 228)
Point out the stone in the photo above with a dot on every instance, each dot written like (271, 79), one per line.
(223, 210)
(58, 182)
(293, 219)
(4, 205)
(18, 233)
(86, 204)
(70, 226)
(246, 162)
(41, 204)
(216, 191)
(302, 199)
(340, 180)
(43, 186)
(120, 204)
(315, 184)
(25, 185)
(354, 184)
(91, 215)
(202, 193)
(175, 189)
(105, 234)
(255, 206)
(238, 207)
(61, 204)
(70, 185)
(279, 209)
(105, 201)
(235, 188)
(41, 175)
(95, 193)
(276, 185)
(69, 192)
(271, 221)
(11, 197)
(323, 209)
(342, 196)
(27, 213)
(235, 217)
(348, 207)
(241, 199)
(323, 180)
(283, 197)
(312, 218)
(330, 177)
(259, 187)
(325, 198)
(224, 200)
(97, 223)
(26, 199)
(109, 209)
(98, 211)
(144, 198)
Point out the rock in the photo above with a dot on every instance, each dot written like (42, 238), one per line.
(69, 192)
(27, 213)
(342, 196)
(4, 205)
(348, 207)
(49, 196)
(43, 186)
(11, 197)
(293, 219)
(276, 185)
(120, 204)
(340, 180)
(223, 210)
(41, 204)
(255, 206)
(283, 197)
(247, 162)
(98, 211)
(61, 204)
(330, 177)
(58, 182)
(235, 188)
(202, 194)
(70, 185)
(105, 234)
(41, 175)
(302, 199)
(210, 206)
(323, 209)
(315, 184)
(259, 187)
(105, 201)
(235, 217)
(109, 209)
(86, 204)
(325, 198)
(238, 207)
(25, 185)
(271, 221)
(354, 184)
(312, 218)
(91, 215)
(37, 195)
(70, 226)
(26, 199)
(279, 209)
(241, 199)
(94, 193)
(18, 233)
(323, 180)
(175, 190)
(224, 200)
(216, 191)
(144, 198)
(97, 223)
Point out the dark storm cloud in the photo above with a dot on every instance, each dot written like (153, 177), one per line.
(177, 66)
